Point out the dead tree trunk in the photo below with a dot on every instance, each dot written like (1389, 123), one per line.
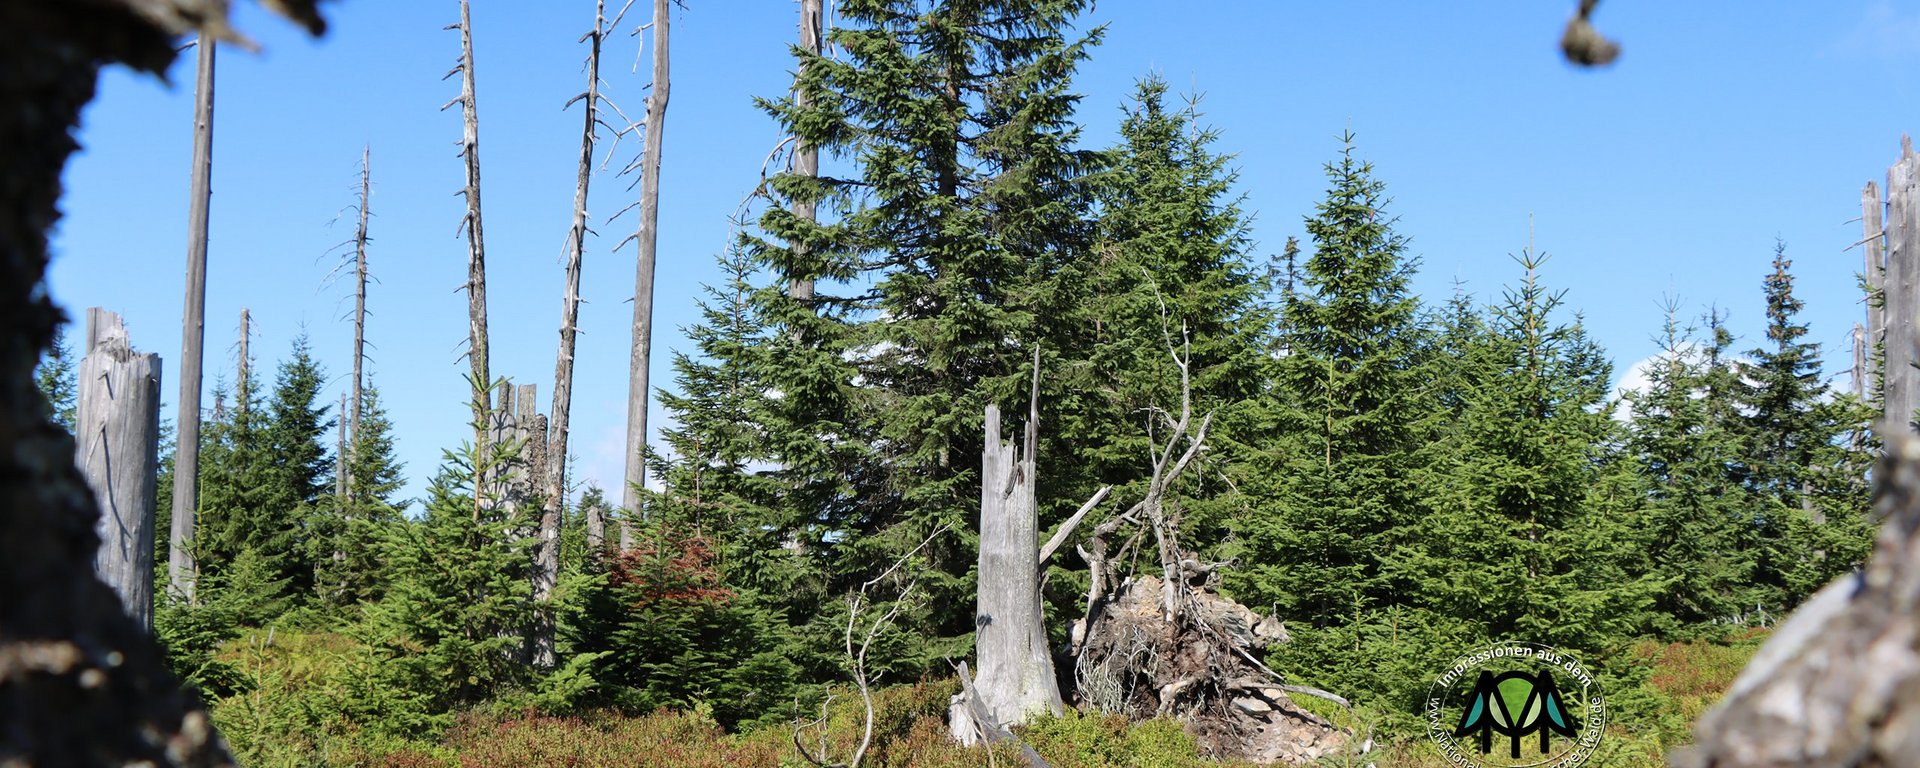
(646, 239)
(476, 243)
(1902, 380)
(554, 477)
(596, 529)
(82, 684)
(181, 568)
(1872, 211)
(245, 383)
(117, 429)
(1860, 357)
(1016, 680)
(806, 156)
(359, 309)
(340, 467)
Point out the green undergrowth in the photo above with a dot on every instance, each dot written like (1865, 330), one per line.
(309, 698)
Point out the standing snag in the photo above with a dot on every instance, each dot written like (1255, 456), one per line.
(1016, 680)
(117, 444)
(476, 285)
(646, 240)
(181, 568)
(546, 553)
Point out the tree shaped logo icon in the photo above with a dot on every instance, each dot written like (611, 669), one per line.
(1516, 705)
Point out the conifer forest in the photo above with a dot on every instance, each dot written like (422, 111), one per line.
(982, 424)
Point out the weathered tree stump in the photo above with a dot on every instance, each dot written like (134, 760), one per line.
(1016, 680)
(117, 446)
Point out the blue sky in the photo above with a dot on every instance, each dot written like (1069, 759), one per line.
(1723, 126)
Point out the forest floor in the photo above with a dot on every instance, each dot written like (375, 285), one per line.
(284, 718)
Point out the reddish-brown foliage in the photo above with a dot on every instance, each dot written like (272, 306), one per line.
(675, 567)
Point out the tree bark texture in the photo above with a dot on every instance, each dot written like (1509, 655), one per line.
(1902, 380)
(359, 310)
(646, 240)
(1016, 679)
(476, 243)
(1873, 242)
(806, 157)
(81, 684)
(117, 431)
(596, 529)
(547, 549)
(181, 568)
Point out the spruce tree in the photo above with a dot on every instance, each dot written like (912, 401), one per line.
(458, 598)
(1171, 268)
(263, 470)
(1796, 465)
(1352, 410)
(352, 526)
(1693, 507)
(714, 478)
(55, 376)
(1501, 547)
(967, 219)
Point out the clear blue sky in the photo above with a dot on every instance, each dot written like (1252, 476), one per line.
(1723, 126)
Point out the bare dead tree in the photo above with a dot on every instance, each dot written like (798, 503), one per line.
(1900, 382)
(1874, 273)
(340, 468)
(193, 334)
(646, 240)
(596, 527)
(245, 365)
(117, 444)
(1016, 680)
(359, 306)
(806, 156)
(476, 286)
(857, 639)
(546, 556)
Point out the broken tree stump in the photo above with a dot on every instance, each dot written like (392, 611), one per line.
(117, 446)
(1016, 680)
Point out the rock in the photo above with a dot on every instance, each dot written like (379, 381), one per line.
(1252, 705)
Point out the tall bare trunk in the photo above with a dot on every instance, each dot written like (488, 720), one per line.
(1872, 211)
(242, 400)
(1902, 287)
(340, 467)
(546, 555)
(359, 307)
(646, 240)
(117, 429)
(1860, 357)
(596, 528)
(186, 454)
(806, 156)
(476, 249)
